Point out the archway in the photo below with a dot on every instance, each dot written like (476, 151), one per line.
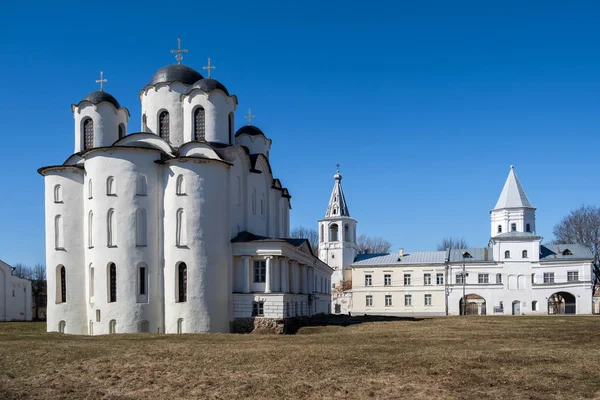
(562, 303)
(475, 305)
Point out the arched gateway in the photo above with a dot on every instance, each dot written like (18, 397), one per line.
(475, 305)
(562, 303)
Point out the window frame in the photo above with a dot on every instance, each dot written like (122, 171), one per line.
(368, 280)
(549, 277)
(427, 279)
(437, 278)
(571, 274)
(407, 279)
(407, 300)
(387, 279)
(483, 278)
(388, 300)
(369, 300)
(259, 271)
(427, 300)
(258, 308)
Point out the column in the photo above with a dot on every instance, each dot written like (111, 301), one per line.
(305, 279)
(311, 280)
(247, 271)
(269, 262)
(283, 274)
(275, 278)
(295, 282)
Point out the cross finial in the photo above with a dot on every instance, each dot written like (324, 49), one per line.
(209, 67)
(249, 117)
(101, 80)
(179, 50)
(338, 167)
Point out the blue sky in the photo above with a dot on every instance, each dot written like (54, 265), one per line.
(424, 104)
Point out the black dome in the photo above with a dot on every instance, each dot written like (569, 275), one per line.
(100, 96)
(208, 85)
(176, 73)
(249, 130)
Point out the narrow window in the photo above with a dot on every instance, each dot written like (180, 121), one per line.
(388, 300)
(199, 129)
(61, 326)
(231, 138)
(90, 189)
(513, 227)
(528, 228)
(58, 233)
(427, 279)
(534, 306)
(91, 229)
(258, 309)
(91, 283)
(368, 280)
(57, 194)
(387, 280)
(62, 280)
(369, 301)
(499, 228)
(333, 233)
(524, 253)
(427, 299)
(408, 300)
(145, 327)
(498, 278)
(110, 186)
(182, 282)
(141, 186)
(532, 279)
(163, 125)
(88, 134)
(439, 279)
(140, 224)
(112, 326)
(406, 279)
(98, 315)
(254, 200)
(144, 123)
(112, 283)
(143, 285)
(180, 186)
(321, 236)
(121, 131)
(260, 271)
(111, 228)
(262, 205)
(507, 254)
(180, 233)
(180, 325)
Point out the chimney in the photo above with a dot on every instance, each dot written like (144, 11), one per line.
(401, 252)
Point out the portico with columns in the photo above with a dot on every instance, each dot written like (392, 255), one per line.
(278, 278)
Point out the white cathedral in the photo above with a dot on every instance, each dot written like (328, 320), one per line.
(514, 275)
(180, 228)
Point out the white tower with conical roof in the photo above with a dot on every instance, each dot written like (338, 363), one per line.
(513, 212)
(337, 233)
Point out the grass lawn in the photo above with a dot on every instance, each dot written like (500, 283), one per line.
(473, 357)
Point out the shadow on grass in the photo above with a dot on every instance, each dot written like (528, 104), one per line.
(293, 325)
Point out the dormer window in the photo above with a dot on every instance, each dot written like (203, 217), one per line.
(499, 228)
(466, 254)
(528, 228)
(513, 227)
(567, 252)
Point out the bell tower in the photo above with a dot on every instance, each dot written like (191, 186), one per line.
(337, 233)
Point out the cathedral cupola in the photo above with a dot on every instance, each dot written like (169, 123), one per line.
(253, 138)
(99, 119)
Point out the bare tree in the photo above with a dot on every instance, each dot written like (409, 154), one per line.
(37, 276)
(21, 271)
(301, 232)
(452, 243)
(582, 225)
(372, 245)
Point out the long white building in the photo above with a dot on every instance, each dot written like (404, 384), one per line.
(514, 275)
(179, 228)
(15, 296)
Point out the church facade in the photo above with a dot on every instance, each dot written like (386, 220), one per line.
(15, 296)
(179, 228)
(514, 275)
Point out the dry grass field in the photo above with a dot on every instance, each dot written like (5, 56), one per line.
(439, 358)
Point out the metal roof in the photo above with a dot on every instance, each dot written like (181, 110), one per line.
(559, 251)
(482, 254)
(512, 195)
(337, 202)
(421, 257)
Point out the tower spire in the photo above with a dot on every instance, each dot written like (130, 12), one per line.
(337, 202)
(512, 195)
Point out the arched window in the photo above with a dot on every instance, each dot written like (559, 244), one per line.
(112, 326)
(58, 232)
(61, 292)
(532, 279)
(181, 282)
(121, 131)
(507, 254)
(110, 186)
(231, 138)
(88, 134)
(524, 254)
(57, 194)
(140, 225)
(180, 185)
(111, 234)
(513, 227)
(91, 284)
(499, 228)
(528, 228)
(90, 193)
(112, 283)
(199, 124)
(91, 229)
(333, 233)
(180, 228)
(61, 326)
(322, 236)
(346, 233)
(180, 325)
(534, 306)
(141, 186)
(498, 278)
(163, 125)
(144, 123)
(142, 280)
(145, 327)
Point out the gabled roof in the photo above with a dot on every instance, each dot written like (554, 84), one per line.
(513, 195)
(479, 254)
(550, 252)
(337, 202)
(246, 237)
(421, 257)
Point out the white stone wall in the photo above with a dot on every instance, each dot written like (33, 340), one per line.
(506, 217)
(164, 97)
(106, 123)
(257, 144)
(217, 106)
(15, 296)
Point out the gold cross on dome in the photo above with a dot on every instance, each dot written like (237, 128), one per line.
(209, 67)
(249, 117)
(101, 80)
(179, 50)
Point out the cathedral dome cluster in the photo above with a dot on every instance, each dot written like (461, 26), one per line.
(176, 73)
